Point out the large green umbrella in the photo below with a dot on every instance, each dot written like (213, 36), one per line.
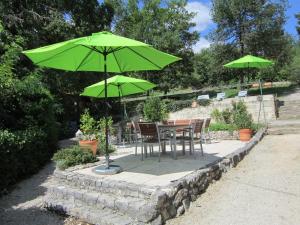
(250, 61)
(118, 86)
(103, 52)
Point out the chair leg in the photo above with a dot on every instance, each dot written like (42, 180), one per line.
(201, 147)
(159, 152)
(146, 151)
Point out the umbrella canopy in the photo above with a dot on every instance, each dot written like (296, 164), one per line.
(249, 61)
(118, 86)
(90, 54)
(103, 52)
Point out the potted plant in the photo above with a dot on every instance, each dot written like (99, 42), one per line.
(90, 132)
(242, 120)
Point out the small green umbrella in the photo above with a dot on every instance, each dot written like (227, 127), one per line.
(103, 52)
(118, 86)
(250, 61)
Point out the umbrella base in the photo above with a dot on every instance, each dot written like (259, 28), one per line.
(102, 170)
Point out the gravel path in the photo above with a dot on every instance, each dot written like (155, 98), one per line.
(23, 206)
(263, 189)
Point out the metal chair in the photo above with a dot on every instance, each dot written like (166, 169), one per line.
(197, 132)
(150, 135)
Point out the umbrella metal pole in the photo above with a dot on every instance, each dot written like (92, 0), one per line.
(106, 111)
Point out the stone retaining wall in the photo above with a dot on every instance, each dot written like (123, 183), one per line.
(251, 102)
(105, 201)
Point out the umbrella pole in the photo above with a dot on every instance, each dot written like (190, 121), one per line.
(106, 112)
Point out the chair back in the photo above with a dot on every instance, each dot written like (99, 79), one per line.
(207, 123)
(136, 127)
(148, 129)
(198, 125)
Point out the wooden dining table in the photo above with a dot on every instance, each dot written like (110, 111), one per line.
(172, 129)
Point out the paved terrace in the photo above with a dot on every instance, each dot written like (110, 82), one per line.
(150, 172)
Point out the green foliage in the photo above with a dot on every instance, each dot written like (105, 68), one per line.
(73, 156)
(298, 23)
(167, 26)
(216, 115)
(22, 153)
(294, 68)
(155, 110)
(241, 118)
(224, 117)
(222, 127)
(253, 27)
(176, 105)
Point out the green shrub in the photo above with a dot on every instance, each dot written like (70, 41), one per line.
(155, 110)
(224, 116)
(227, 116)
(22, 153)
(217, 116)
(241, 118)
(176, 105)
(222, 127)
(73, 156)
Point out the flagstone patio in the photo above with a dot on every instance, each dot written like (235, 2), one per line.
(150, 172)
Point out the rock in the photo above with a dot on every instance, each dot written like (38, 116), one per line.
(186, 204)
(180, 211)
(159, 197)
(181, 194)
(157, 221)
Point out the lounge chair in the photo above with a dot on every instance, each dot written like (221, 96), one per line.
(220, 96)
(203, 97)
(242, 94)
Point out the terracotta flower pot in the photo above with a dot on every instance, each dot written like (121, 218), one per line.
(89, 144)
(194, 104)
(245, 134)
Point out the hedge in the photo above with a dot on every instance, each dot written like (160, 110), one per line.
(28, 134)
(22, 153)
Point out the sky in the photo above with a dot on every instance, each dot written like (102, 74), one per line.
(204, 23)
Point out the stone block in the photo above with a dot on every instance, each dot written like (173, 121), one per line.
(181, 194)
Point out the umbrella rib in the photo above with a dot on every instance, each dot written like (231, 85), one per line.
(81, 63)
(44, 60)
(117, 61)
(138, 87)
(144, 57)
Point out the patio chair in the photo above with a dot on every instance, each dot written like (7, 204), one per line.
(203, 97)
(220, 96)
(206, 133)
(150, 135)
(195, 135)
(182, 132)
(242, 94)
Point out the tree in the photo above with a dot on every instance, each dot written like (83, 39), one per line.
(253, 27)
(298, 25)
(165, 25)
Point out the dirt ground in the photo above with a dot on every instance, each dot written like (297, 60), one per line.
(263, 189)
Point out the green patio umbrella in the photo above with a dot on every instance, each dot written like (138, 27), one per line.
(118, 86)
(250, 61)
(102, 52)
